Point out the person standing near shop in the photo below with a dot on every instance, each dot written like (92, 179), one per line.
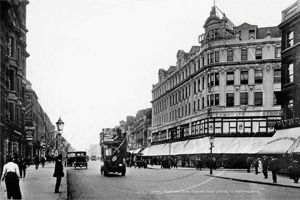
(23, 164)
(274, 167)
(265, 166)
(11, 175)
(58, 172)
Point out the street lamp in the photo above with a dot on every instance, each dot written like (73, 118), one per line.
(60, 125)
(211, 140)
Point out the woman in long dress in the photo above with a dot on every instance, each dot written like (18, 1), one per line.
(259, 165)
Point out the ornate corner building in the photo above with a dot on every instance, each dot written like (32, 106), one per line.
(228, 86)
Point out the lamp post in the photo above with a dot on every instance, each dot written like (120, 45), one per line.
(211, 140)
(60, 125)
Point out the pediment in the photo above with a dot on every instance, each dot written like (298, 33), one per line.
(194, 49)
(246, 25)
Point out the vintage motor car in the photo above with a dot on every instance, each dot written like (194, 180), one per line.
(80, 159)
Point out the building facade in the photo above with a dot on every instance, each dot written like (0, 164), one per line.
(228, 86)
(139, 134)
(290, 53)
(41, 135)
(13, 77)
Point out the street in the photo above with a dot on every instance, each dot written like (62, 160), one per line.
(166, 184)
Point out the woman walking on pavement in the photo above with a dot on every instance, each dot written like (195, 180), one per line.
(11, 176)
(58, 172)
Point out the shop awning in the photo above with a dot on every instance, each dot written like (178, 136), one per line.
(283, 141)
(137, 151)
(130, 151)
(225, 145)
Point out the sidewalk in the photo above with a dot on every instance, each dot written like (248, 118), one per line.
(242, 175)
(39, 184)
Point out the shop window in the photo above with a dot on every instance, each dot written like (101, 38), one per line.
(230, 99)
(277, 75)
(258, 54)
(258, 76)
(244, 77)
(244, 54)
(244, 98)
(258, 99)
(230, 78)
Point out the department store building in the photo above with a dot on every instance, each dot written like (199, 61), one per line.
(228, 86)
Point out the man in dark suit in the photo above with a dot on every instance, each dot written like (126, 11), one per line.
(265, 163)
(58, 172)
(274, 167)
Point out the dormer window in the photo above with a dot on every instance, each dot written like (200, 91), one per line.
(251, 34)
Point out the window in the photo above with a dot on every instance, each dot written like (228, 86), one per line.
(230, 100)
(199, 88)
(258, 99)
(212, 99)
(244, 98)
(216, 99)
(203, 59)
(212, 58)
(195, 87)
(291, 73)
(277, 75)
(230, 78)
(217, 77)
(277, 98)
(208, 80)
(202, 102)
(258, 54)
(258, 76)
(211, 79)
(277, 52)
(10, 47)
(290, 38)
(252, 34)
(244, 54)
(198, 104)
(244, 77)
(203, 81)
(230, 55)
(217, 57)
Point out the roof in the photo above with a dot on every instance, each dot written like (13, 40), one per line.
(262, 32)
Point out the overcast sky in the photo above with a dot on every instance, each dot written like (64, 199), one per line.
(93, 62)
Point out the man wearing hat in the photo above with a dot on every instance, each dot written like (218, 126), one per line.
(11, 175)
(265, 166)
(274, 167)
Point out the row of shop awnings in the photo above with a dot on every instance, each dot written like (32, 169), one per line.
(283, 141)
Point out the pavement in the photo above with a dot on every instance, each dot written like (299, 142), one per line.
(283, 180)
(39, 184)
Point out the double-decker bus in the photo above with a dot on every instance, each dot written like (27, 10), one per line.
(113, 146)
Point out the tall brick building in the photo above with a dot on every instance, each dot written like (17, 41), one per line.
(13, 56)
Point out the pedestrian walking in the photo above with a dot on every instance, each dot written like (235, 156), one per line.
(265, 165)
(28, 161)
(274, 167)
(58, 172)
(37, 161)
(256, 164)
(43, 160)
(296, 170)
(23, 167)
(11, 176)
(260, 165)
(248, 164)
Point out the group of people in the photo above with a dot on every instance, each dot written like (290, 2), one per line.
(15, 169)
(272, 164)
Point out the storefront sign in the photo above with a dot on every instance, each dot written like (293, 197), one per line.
(272, 113)
(288, 123)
